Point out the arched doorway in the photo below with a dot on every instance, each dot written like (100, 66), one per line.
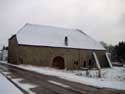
(58, 62)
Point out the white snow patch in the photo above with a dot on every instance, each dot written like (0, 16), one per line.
(25, 86)
(6, 73)
(59, 84)
(111, 74)
(7, 87)
(106, 81)
(1, 61)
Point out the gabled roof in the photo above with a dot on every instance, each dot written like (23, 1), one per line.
(43, 35)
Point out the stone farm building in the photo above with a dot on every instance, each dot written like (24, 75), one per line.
(56, 47)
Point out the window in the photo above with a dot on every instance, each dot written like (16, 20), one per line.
(76, 62)
(84, 64)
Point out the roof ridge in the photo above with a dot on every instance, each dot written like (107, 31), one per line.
(81, 31)
(51, 26)
(95, 41)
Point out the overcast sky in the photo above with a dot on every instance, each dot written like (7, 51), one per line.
(104, 20)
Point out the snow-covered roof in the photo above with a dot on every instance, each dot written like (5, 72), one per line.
(43, 35)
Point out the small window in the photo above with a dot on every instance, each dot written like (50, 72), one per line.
(76, 62)
(21, 60)
(90, 62)
(84, 64)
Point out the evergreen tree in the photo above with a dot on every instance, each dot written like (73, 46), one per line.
(119, 52)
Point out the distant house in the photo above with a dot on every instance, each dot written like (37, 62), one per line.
(4, 54)
(56, 47)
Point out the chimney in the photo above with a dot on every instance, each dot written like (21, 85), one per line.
(66, 40)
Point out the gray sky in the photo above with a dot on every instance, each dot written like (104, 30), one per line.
(102, 19)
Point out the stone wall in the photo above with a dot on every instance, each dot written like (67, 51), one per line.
(12, 50)
(36, 55)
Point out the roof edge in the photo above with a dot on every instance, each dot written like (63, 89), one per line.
(61, 47)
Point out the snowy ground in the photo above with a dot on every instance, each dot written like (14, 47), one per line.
(111, 78)
(27, 87)
(24, 86)
(7, 87)
(114, 74)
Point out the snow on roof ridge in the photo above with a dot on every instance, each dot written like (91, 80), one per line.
(26, 24)
(81, 31)
(32, 34)
(30, 24)
(86, 35)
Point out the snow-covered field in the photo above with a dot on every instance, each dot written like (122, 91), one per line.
(113, 74)
(111, 78)
(7, 87)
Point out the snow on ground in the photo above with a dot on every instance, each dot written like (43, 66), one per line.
(59, 84)
(25, 86)
(3, 61)
(113, 74)
(7, 87)
(112, 78)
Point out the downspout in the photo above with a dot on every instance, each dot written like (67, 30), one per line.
(79, 57)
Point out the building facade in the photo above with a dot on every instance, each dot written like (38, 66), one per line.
(25, 50)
